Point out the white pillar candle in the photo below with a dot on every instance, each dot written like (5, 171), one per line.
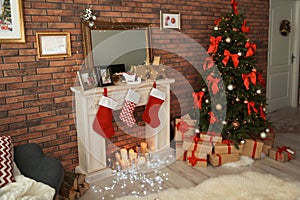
(124, 155)
(143, 147)
(131, 154)
(118, 157)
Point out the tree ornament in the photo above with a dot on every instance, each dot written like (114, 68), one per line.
(203, 89)
(219, 107)
(267, 130)
(242, 141)
(206, 101)
(246, 101)
(258, 91)
(265, 109)
(235, 124)
(239, 54)
(216, 28)
(230, 87)
(263, 135)
(224, 122)
(237, 99)
(197, 131)
(228, 40)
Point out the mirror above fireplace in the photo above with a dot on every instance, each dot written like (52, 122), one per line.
(116, 43)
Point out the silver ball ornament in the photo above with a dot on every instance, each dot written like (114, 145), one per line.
(230, 87)
(216, 28)
(203, 89)
(228, 40)
(197, 131)
(267, 130)
(219, 107)
(263, 135)
(206, 101)
(239, 53)
(258, 91)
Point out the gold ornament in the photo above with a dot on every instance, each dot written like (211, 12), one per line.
(235, 124)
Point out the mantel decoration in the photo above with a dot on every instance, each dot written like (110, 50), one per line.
(88, 16)
(169, 20)
(11, 22)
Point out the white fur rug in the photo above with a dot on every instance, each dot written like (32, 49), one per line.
(247, 186)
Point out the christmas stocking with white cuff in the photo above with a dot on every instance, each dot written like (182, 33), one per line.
(150, 115)
(103, 122)
(132, 98)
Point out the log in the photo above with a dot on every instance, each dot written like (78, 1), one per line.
(74, 185)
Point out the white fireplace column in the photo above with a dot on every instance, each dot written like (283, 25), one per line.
(91, 145)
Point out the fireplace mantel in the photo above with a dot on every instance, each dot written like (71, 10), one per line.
(92, 146)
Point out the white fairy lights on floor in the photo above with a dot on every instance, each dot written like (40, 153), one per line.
(137, 181)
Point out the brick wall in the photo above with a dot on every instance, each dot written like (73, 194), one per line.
(35, 100)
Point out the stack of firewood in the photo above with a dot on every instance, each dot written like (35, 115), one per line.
(73, 186)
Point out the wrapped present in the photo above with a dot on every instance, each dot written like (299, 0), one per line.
(184, 128)
(195, 158)
(282, 153)
(211, 137)
(268, 143)
(253, 148)
(197, 145)
(220, 159)
(227, 147)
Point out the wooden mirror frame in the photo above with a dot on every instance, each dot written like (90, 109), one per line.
(87, 44)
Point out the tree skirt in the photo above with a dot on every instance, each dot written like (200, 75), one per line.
(247, 186)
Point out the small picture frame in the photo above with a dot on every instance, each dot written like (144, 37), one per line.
(53, 44)
(104, 75)
(170, 20)
(87, 78)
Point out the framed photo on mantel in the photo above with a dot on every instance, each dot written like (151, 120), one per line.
(87, 78)
(104, 75)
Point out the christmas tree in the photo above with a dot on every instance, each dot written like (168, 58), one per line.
(233, 103)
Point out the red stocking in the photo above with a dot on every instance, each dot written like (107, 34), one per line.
(156, 99)
(103, 122)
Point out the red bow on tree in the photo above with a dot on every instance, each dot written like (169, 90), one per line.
(213, 83)
(251, 49)
(262, 113)
(249, 77)
(245, 28)
(208, 63)
(198, 99)
(217, 21)
(213, 117)
(234, 57)
(234, 6)
(251, 104)
(214, 44)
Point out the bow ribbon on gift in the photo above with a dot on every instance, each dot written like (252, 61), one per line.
(262, 113)
(251, 49)
(182, 126)
(280, 150)
(251, 104)
(234, 6)
(245, 28)
(193, 159)
(198, 96)
(251, 77)
(208, 63)
(214, 44)
(213, 118)
(213, 83)
(234, 57)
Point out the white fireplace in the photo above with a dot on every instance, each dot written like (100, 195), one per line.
(92, 146)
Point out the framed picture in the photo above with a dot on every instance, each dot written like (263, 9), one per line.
(53, 44)
(169, 20)
(11, 21)
(104, 75)
(87, 78)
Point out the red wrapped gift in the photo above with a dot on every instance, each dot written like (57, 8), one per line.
(184, 128)
(282, 153)
(253, 148)
(227, 147)
(195, 158)
(220, 159)
(211, 137)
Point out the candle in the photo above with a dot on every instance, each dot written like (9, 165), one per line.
(131, 154)
(143, 147)
(124, 155)
(141, 160)
(118, 157)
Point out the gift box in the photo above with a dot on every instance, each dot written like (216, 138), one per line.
(220, 159)
(195, 158)
(211, 137)
(282, 153)
(268, 143)
(184, 128)
(196, 144)
(227, 147)
(253, 148)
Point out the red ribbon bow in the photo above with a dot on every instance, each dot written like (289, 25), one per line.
(214, 43)
(251, 77)
(262, 113)
(208, 63)
(193, 159)
(213, 118)
(251, 104)
(198, 99)
(234, 6)
(251, 49)
(217, 21)
(234, 57)
(280, 150)
(183, 127)
(245, 28)
(213, 83)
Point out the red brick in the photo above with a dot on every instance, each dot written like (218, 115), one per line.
(9, 66)
(10, 80)
(23, 111)
(19, 59)
(42, 127)
(37, 77)
(21, 98)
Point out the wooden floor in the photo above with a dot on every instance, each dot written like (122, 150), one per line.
(181, 175)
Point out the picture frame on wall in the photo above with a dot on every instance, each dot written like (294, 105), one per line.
(11, 22)
(53, 44)
(87, 78)
(104, 75)
(170, 20)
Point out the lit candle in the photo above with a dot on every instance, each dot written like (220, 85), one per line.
(124, 155)
(143, 147)
(131, 154)
(118, 157)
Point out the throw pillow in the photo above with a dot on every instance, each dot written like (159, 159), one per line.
(6, 161)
